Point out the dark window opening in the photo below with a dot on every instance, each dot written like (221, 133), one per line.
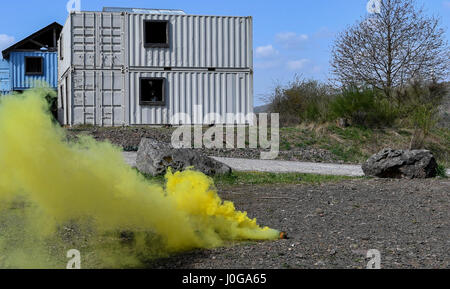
(152, 91)
(211, 69)
(61, 51)
(167, 69)
(61, 95)
(34, 65)
(156, 33)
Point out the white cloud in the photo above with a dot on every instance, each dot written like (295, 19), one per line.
(446, 4)
(297, 64)
(292, 40)
(6, 41)
(267, 64)
(288, 36)
(266, 51)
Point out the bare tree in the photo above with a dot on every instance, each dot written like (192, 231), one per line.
(390, 49)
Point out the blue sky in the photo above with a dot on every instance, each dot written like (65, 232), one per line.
(290, 36)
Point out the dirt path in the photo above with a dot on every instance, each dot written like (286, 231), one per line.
(249, 165)
(333, 226)
(275, 166)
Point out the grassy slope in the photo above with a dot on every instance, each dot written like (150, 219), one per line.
(355, 144)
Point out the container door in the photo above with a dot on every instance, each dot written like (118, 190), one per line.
(99, 97)
(98, 41)
(110, 104)
(84, 97)
(111, 44)
(84, 44)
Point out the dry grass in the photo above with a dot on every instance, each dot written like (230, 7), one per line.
(356, 144)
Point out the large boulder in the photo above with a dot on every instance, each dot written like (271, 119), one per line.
(399, 164)
(154, 158)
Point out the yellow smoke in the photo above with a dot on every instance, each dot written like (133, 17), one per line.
(47, 182)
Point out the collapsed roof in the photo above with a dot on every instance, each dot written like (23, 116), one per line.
(45, 38)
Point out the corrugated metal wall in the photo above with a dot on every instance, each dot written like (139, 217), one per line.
(107, 59)
(98, 97)
(193, 95)
(20, 81)
(5, 85)
(195, 42)
(98, 41)
(111, 98)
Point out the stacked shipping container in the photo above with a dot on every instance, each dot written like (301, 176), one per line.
(107, 60)
(5, 86)
(31, 61)
(20, 80)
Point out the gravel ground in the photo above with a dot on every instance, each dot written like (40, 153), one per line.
(274, 166)
(130, 137)
(333, 226)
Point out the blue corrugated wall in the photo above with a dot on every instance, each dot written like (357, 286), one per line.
(20, 81)
(5, 85)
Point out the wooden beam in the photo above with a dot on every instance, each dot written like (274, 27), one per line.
(37, 43)
(55, 41)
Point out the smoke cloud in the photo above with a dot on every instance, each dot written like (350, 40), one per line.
(57, 195)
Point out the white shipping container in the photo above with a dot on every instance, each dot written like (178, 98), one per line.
(93, 40)
(102, 40)
(112, 65)
(195, 41)
(94, 97)
(112, 98)
(198, 98)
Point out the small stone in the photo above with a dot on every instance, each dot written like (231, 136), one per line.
(320, 263)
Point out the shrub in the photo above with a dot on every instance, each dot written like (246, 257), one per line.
(414, 106)
(364, 107)
(441, 171)
(419, 105)
(52, 101)
(301, 100)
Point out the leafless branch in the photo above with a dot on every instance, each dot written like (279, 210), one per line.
(391, 49)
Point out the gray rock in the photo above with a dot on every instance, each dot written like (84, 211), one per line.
(154, 158)
(343, 122)
(398, 164)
